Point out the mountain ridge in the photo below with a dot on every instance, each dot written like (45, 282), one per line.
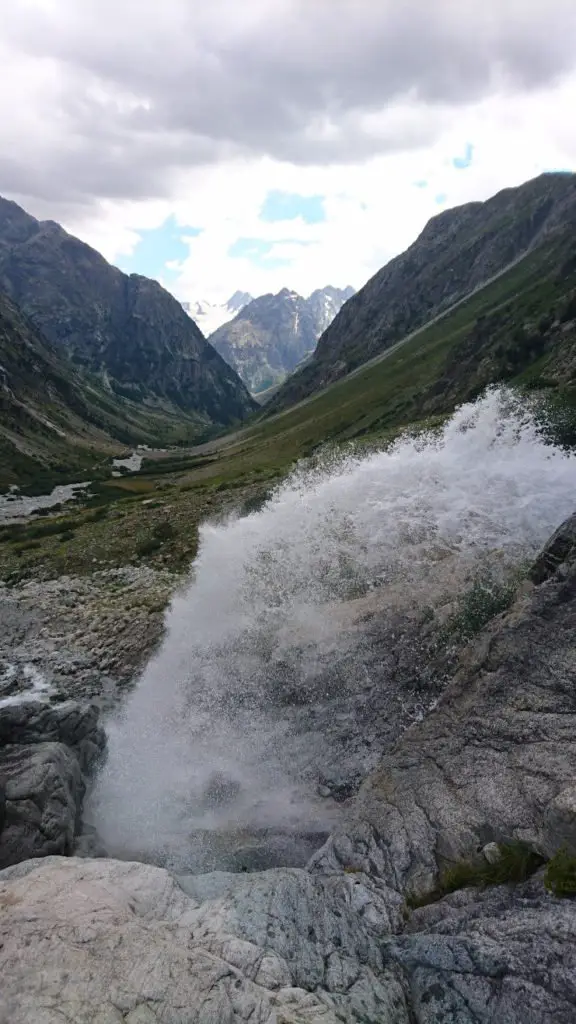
(209, 316)
(126, 329)
(457, 251)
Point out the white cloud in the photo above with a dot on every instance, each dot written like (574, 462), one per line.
(123, 113)
(373, 208)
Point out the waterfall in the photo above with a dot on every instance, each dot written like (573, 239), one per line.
(293, 653)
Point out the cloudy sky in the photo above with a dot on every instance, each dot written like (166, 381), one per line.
(254, 144)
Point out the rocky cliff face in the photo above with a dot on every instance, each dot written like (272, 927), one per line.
(273, 334)
(126, 329)
(458, 251)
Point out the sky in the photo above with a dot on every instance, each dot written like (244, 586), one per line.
(257, 144)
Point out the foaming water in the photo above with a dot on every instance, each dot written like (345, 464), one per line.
(265, 663)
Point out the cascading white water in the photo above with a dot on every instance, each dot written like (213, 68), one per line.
(266, 668)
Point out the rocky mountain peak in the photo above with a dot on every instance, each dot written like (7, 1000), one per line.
(272, 334)
(238, 300)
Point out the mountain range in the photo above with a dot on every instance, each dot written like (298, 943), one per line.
(458, 251)
(271, 335)
(91, 358)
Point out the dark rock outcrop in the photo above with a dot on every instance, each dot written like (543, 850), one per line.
(47, 754)
(458, 251)
(49, 415)
(126, 329)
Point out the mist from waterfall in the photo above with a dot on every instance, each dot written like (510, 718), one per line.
(267, 649)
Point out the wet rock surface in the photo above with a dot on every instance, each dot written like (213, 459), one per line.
(507, 954)
(335, 941)
(107, 941)
(489, 763)
(104, 940)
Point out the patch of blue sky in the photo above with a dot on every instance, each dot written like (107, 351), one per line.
(462, 162)
(441, 198)
(280, 205)
(260, 251)
(250, 248)
(421, 184)
(158, 248)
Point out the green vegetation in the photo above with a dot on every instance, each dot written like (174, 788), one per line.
(516, 863)
(560, 875)
(148, 546)
(485, 599)
(164, 531)
(508, 331)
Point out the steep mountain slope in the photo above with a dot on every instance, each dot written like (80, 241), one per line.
(57, 422)
(209, 316)
(457, 251)
(273, 334)
(48, 418)
(127, 329)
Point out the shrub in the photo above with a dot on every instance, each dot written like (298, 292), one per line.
(149, 546)
(99, 513)
(163, 531)
(8, 533)
(52, 528)
(255, 502)
(66, 536)
(560, 875)
(485, 599)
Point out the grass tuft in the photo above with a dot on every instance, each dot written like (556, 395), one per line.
(516, 863)
(560, 876)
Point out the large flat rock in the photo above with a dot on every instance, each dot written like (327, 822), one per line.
(103, 941)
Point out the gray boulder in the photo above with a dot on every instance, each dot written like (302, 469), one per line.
(107, 941)
(104, 941)
(47, 753)
(73, 724)
(506, 955)
(560, 550)
(43, 791)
